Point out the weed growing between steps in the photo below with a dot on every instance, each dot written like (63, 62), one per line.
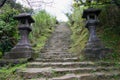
(9, 72)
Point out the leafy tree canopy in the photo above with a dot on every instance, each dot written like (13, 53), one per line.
(96, 2)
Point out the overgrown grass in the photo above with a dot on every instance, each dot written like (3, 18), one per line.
(80, 33)
(42, 28)
(9, 73)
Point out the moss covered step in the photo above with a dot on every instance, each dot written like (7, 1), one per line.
(73, 59)
(92, 76)
(56, 72)
(86, 76)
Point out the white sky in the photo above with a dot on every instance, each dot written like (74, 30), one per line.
(57, 8)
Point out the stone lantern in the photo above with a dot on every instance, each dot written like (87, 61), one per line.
(23, 48)
(94, 48)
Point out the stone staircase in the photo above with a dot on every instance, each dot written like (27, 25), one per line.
(70, 69)
(55, 63)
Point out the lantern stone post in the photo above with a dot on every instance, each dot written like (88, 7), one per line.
(23, 48)
(94, 48)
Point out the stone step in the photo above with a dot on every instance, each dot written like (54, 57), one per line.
(49, 72)
(57, 56)
(73, 59)
(56, 53)
(86, 76)
(69, 64)
(92, 76)
(59, 64)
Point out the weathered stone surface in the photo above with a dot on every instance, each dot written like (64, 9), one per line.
(73, 59)
(60, 64)
(53, 72)
(75, 64)
(87, 76)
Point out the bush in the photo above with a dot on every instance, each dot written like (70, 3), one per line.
(8, 30)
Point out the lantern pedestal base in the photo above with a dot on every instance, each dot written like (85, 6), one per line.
(20, 51)
(95, 50)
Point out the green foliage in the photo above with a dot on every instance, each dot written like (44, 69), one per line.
(42, 28)
(8, 30)
(109, 29)
(8, 26)
(93, 3)
(8, 73)
(80, 33)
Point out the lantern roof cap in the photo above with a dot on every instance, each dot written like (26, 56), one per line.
(88, 11)
(24, 16)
